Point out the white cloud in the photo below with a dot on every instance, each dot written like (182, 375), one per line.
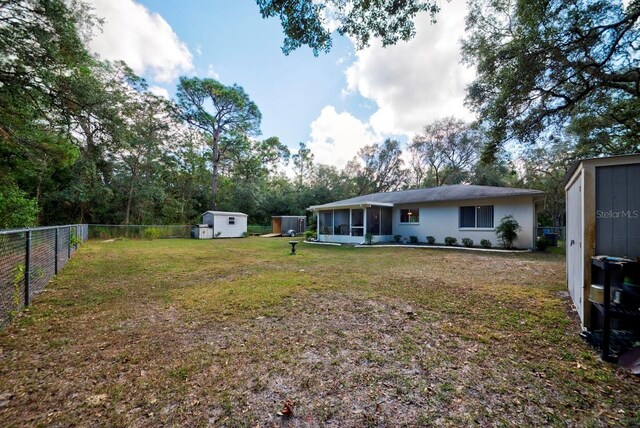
(337, 137)
(211, 72)
(144, 40)
(416, 82)
(159, 91)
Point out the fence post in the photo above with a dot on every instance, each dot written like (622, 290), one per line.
(69, 243)
(27, 268)
(56, 252)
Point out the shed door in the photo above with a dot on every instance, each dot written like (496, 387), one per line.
(618, 210)
(575, 254)
(276, 225)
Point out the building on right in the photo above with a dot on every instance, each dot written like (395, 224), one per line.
(603, 242)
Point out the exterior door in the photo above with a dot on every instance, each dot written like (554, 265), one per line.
(575, 254)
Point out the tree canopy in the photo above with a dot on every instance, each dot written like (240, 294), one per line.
(83, 140)
(217, 110)
(310, 22)
(548, 65)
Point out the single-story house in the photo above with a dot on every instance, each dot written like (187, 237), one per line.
(460, 211)
(226, 224)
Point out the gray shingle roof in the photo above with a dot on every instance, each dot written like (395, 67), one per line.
(237, 214)
(455, 192)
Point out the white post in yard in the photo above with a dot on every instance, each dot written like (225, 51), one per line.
(318, 225)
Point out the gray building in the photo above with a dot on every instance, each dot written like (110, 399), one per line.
(603, 218)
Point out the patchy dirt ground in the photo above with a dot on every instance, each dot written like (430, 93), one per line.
(223, 332)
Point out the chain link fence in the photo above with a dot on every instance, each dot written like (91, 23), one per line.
(555, 235)
(29, 258)
(259, 230)
(138, 231)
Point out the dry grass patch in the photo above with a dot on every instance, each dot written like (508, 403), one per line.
(221, 333)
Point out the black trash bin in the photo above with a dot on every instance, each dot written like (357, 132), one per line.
(552, 238)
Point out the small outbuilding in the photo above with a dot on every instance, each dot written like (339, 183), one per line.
(603, 219)
(202, 231)
(226, 224)
(283, 224)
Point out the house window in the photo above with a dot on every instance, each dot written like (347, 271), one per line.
(232, 220)
(477, 217)
(410, 215)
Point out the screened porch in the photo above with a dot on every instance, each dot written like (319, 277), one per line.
(350, 225)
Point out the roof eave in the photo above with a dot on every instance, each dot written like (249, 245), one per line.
(365, 204)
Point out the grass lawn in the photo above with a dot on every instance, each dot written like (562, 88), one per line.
(221, 332)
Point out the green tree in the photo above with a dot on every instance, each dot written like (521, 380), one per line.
(546, 64)
(217, 110)
(144, 145)
(379, 169)
(16, 209)
(308, 22)
(302, 164)
(100, 125)
(444, 153)
(545, 167)
(42, 61)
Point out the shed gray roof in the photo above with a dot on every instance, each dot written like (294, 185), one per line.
(225, 213)
(455, 192)
(576, 163)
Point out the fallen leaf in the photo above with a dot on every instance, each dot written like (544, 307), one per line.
(96, 400)
(287, 408)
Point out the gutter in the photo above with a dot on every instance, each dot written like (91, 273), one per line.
(356, 205)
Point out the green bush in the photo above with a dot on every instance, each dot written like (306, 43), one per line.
(507, 231)
(431, 240)
(74, 241)
(16, 208)
(542, 243)
(309, 235)
(397, 238)
(368, 238)
(413, 239)
(151, 233)
(450, 240)
(486, 243)
(467, 242)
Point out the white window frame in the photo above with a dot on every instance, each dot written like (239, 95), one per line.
(417, 210)
(475, 219)
(232, 221)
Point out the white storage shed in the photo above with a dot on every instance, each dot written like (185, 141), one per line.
(603, 218)
(226, 224)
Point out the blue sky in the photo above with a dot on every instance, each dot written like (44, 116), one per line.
(336, 102)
